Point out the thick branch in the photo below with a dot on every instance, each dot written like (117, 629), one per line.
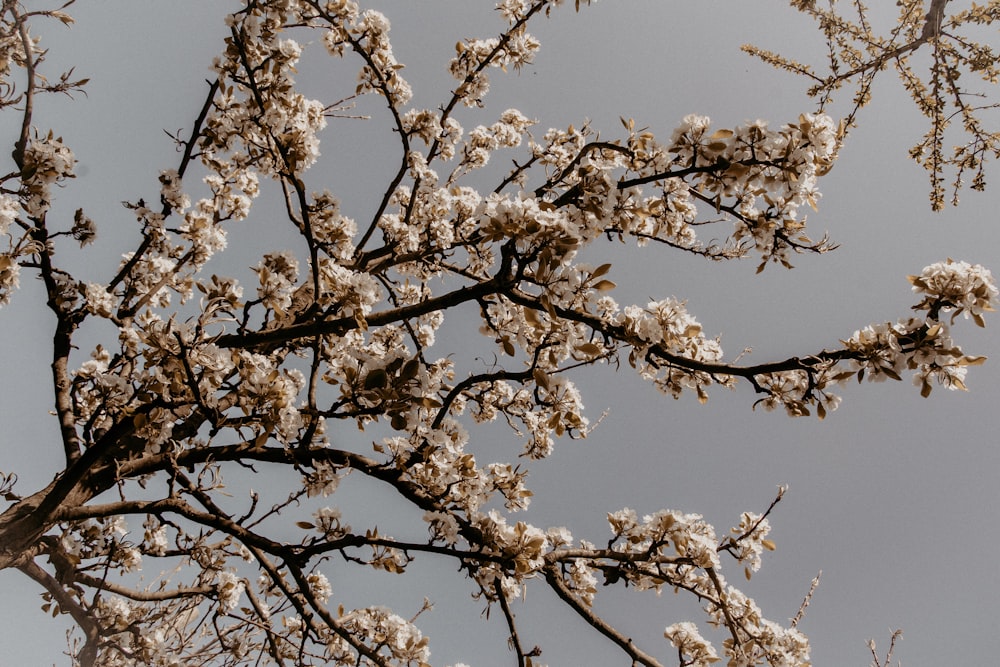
(342, 325)
(142, 596)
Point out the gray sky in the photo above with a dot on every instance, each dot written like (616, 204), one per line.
(893, 496)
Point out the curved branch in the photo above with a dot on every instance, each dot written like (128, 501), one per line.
(555, 580)
(661, 352)
(142, 596)
(714, 168)
(342, 325)
(216, 519)
(89, 625)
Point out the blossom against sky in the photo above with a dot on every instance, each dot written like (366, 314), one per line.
(873, 476)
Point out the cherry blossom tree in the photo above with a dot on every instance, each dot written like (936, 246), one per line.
(209, 378)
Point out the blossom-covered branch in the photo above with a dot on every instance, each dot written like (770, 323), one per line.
(212, 378)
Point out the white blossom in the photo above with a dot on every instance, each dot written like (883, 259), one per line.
(229, 589)
(99, 300)
(9, 211)
(688, 640)
(10, 272)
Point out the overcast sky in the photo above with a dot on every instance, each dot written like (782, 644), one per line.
(893, 497)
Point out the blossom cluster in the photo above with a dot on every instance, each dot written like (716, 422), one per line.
(484, 140)
(759, 176)
(958, 287)
(280, 136)
(104, 539)
(47, 162)
(696, 651)
(667, 326)
(10, 277)
(404, 642)
(685, 535)
(473, 56)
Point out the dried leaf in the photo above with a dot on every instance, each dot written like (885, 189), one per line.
(541, 378)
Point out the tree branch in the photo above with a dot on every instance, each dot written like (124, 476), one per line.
(342, 325)
(82, 617)
(555, 581)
